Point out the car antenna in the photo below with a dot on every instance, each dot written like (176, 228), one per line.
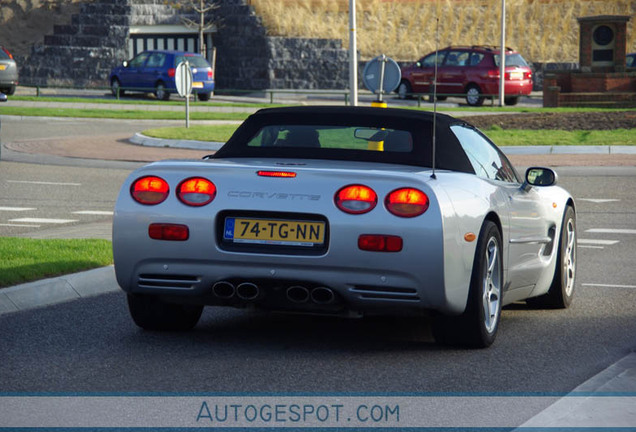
(433, 176)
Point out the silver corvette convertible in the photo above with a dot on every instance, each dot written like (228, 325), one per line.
(346, 211)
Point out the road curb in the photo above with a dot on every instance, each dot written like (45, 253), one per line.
(61, 289)
(144, 140)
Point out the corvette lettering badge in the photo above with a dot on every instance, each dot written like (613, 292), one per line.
(273, 195)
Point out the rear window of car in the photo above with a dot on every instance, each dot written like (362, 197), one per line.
(333, 137)
(512, 60)
(4, 55)
(195, 61)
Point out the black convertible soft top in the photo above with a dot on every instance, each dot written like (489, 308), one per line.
(449, 153)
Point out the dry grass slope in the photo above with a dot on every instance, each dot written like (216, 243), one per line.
(543, 30)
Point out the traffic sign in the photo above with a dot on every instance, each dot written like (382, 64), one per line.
(183, 79)
(381, 75)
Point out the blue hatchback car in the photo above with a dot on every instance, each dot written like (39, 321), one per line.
(154, 71)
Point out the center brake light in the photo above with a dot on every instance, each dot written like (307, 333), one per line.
(196, 191)
(149, 190)
(356, 199)
(407, 202)
(281, 174)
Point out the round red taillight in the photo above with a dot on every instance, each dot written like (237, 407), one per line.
(150, 190)
(196, 191)
(407, 202)
(356, 199)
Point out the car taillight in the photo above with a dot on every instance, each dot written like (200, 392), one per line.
(527, 75)
(210, 74)
(7, 53)
(196, 191)
(380, 243)
(172, 72)
(493, 73)
(170, 232)
(282, 174)
(356, 199)
(407, 202)
(149, 190)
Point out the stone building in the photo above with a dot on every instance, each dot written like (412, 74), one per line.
(106, 32)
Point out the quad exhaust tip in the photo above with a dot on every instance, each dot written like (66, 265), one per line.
(322, 295)
(247, 291)
(223, 289)
(298, 294)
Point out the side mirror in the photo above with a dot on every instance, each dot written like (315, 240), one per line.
(418, 64)
(3, 97)
(537, 176)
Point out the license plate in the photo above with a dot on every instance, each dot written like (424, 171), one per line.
(197, 84)
(3, 67)
(274, 231)
(516, 75)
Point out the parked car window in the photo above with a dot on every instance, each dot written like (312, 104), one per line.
(156, 60)
(487, 161)
(512, 60)
(475, 58)
(195, 61)
(139, 60)
(457, 58)
(429, 60)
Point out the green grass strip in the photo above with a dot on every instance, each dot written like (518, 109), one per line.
(25, 260)
(502, 137)
(544, 137)
(120, 114)
(125, 101)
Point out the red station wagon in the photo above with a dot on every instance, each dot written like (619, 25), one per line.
(472, 71)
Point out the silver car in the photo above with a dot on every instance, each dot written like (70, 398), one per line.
(346, 211)
(8, 72)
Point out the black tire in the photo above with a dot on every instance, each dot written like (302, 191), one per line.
(442, 98)
(404, 90)
(150, 313)
(115, 87)
(474, 96)
(477, 326)
(10, 91)
(562, 289)
(204, 96)
(161, 92)
(512, 100)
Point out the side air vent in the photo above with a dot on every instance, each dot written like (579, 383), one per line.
(369, 292)
(167, 281)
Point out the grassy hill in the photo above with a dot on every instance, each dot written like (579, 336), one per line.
(542, 30)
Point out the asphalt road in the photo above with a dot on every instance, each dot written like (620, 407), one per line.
(92, 345)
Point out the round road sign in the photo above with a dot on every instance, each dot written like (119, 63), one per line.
(183, 79)
(381, 75)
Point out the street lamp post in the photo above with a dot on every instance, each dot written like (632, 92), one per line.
(353, 55)
(502, 56)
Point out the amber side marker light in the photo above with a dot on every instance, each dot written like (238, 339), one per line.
(280, 174)
(470, 237)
